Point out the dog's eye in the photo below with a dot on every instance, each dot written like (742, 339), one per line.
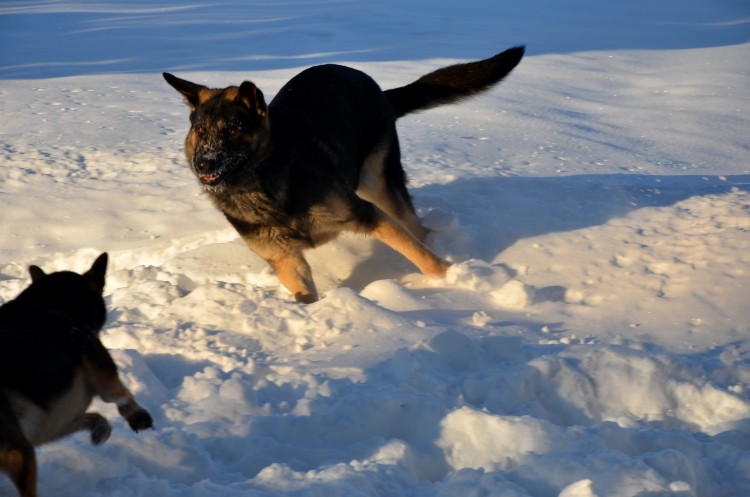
(200, 130)
(233, 130)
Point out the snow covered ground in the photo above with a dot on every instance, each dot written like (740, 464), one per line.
(591, 339)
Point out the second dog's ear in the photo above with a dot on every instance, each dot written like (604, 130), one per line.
(191, 91)
(36, 273)
(251, 97)
(96, 274)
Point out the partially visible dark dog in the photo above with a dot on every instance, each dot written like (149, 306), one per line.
(51, 366)
(322, 158)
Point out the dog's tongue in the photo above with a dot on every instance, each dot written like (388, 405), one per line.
(208, 178)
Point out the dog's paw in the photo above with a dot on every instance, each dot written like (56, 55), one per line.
(140, 420)
(306, 298)
(100, 429)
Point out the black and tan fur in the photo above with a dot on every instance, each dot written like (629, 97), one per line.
(322, 158)
(52, 364)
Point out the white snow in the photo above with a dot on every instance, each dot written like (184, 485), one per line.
(590, 340)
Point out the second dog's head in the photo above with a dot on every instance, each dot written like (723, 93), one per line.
(76, 297)
(229, 130)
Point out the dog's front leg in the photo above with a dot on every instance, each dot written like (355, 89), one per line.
(101, 373)
(295, 274)
(283, 252)
(284, 255)
(92, 422)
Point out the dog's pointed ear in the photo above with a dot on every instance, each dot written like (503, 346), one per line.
(191, 91)
(36, 272)
(251, 97)
(96, 274)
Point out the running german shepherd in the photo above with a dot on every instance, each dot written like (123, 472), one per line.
(51, 366)
(322, 158)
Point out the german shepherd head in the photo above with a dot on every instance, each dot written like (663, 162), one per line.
(229, 131)
(52, 364)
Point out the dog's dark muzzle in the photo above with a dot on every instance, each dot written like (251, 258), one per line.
(209, 170)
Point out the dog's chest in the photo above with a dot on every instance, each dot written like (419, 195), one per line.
(268, 219)
(251, 207)
(40, 425)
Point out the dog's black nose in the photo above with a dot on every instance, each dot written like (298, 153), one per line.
(205, 165)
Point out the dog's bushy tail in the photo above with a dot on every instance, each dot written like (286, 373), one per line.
(453, 83)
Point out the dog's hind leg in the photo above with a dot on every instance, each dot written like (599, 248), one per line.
(382, 181)
(399, 239)
(20, 464)
(17, 457)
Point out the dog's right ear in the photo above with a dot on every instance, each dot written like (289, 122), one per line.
(36, 272)
(95, 275)
(191, 91)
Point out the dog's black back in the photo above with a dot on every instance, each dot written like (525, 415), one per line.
(326, 103)
(338, 141)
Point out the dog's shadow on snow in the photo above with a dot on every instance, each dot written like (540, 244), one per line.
(491, 214)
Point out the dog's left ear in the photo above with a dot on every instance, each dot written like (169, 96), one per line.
(36, 273)
(96, 274)
(251, 97)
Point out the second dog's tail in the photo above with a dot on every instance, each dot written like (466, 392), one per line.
(453, 83)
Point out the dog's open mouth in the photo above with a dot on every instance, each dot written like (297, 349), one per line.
(211, 179)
